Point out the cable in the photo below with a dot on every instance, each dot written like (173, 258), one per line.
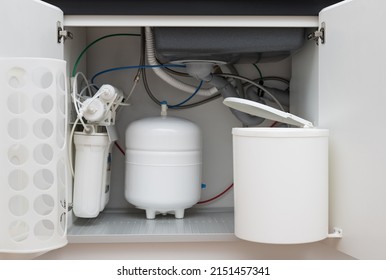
(171, 71)
(187, 106)
(70, 147)
(119, 148)
(258, 70)
(75, 93)
(150, 93)
(136, 81)
(217, 196)
(150, 51)
(190, 97)
(92, 43)
(178, 106)
(86, 88)
(274, 78)
(135, 67)
(255, 84)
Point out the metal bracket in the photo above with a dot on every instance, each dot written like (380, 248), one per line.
(70, 206)
(67, 206)
(63, 34)
(337, 233)
(318, 35)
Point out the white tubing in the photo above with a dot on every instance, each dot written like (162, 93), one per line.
(165, 76)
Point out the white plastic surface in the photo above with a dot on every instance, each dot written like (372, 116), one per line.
(163, 165)
(108, 93)
(163, 134)
(94, 110)
(281, 185)
(33, 196)
(279, 132)
(197, 226)
(264, 111)
(353, 109)
(200, 20)
(92, 173)
(280, 177)
(28, 28)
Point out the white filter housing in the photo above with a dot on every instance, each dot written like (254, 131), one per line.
(163, 165)
(92, 173)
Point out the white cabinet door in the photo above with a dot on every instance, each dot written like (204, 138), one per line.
(352, 105)
(29, 28)
(33, 126)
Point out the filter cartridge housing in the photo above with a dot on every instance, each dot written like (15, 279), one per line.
(163, 165)
(92, 173)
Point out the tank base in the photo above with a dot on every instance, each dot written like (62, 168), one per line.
(151, 213)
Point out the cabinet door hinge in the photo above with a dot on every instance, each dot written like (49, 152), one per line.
(63, 34)
(318, 35)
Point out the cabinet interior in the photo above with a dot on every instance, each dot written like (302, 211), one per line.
(212, 221)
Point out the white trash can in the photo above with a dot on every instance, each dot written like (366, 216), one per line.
(280, 178)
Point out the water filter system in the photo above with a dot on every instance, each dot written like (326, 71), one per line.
(91, 191)
(93, 144)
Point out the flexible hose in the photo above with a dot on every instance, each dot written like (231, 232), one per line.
(227, 90)
(165, 76)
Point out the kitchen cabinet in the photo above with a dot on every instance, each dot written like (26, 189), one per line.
(336, 82)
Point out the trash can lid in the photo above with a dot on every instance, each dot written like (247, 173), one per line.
(264, 111)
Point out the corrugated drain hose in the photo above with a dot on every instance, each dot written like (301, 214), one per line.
(150, 52)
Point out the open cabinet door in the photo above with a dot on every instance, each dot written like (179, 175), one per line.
(352, 105)
(29, 29)
(33, 127)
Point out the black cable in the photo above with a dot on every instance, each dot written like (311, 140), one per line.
(261, 81)
(253, 83)
(273, 78)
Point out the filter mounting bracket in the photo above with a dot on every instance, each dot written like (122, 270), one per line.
(337, 233)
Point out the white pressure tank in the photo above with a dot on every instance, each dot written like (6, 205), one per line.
(163, 165)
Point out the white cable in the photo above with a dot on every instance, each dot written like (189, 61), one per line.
(79, 115)
(75, 93)
(165, 76)
(122, 104)
(88, 86)
(255, 84)
(88, 89)
(70, 147)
